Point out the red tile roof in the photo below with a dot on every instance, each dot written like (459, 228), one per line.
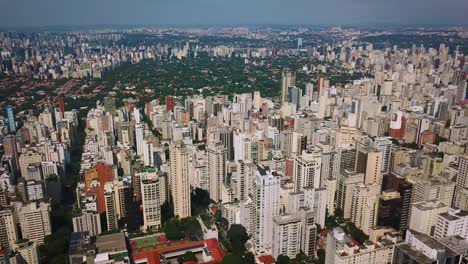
(267, 259)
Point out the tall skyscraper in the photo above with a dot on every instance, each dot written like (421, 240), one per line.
(265, 207)
(180, 164)
(111, 212)
(217, 156)
(289, 80)
(364, 207)
(307, 169)
(299, 43)
(151, 200)
(11, 118)
(385, 146)
(287, 231)
(369, 161)
(34, 219)
(124, 201)
(320, 85)
(461, 184)
(8, 229)
(10, 148)
(139, 136)
(170, 103)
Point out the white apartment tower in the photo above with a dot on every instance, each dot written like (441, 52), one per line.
(265, 206)
(287, 231)
(180, 164)
(307, 169)
(139, 135)
(111, 210)
(151, 200)
(217, 156)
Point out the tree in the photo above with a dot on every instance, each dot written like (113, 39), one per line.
(237, 235)
(300, 258)
(173, 231)
(321, 256)
(188, 256)
(249, 258)
(200, 200)
(282, 259)
(232, 259)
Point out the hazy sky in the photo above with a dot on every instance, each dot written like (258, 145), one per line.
(187, 12)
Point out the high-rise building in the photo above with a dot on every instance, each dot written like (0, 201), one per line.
(151, 201)
(11, 118)
(10, 149)
(25, 251)
(34, 219)
(424, 216)
(307, 169)
(289, 80)
(364, 207)
(170, 103)
(180, 166)
(461, 185)
(346, 183)
(369, 161)
(124, 201)
(385, 146)
(287, 230)
(266, 205)
(111, 210)
(139, 136)
(87, 221)
(26, 159)
(8, 230)
(216, 156)
(452, 223)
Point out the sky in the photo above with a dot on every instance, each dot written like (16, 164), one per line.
(30, 13)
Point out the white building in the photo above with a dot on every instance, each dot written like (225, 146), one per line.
(217, 156)
(287, 231)
(452, 223)
(266, 201)
(151, 201)
(307, 169)
(87, 221)
(424, 216)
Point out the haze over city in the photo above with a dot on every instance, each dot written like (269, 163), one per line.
(233, 132)
(26, 13)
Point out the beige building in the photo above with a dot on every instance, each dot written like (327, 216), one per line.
(151, 200)
(25, 251)
(28, 158)
(364, 207)
(34, 220)
(8, 231)
(369, 161)
(347, 182)
(180, 164)
(217, 156)
(424, 216)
